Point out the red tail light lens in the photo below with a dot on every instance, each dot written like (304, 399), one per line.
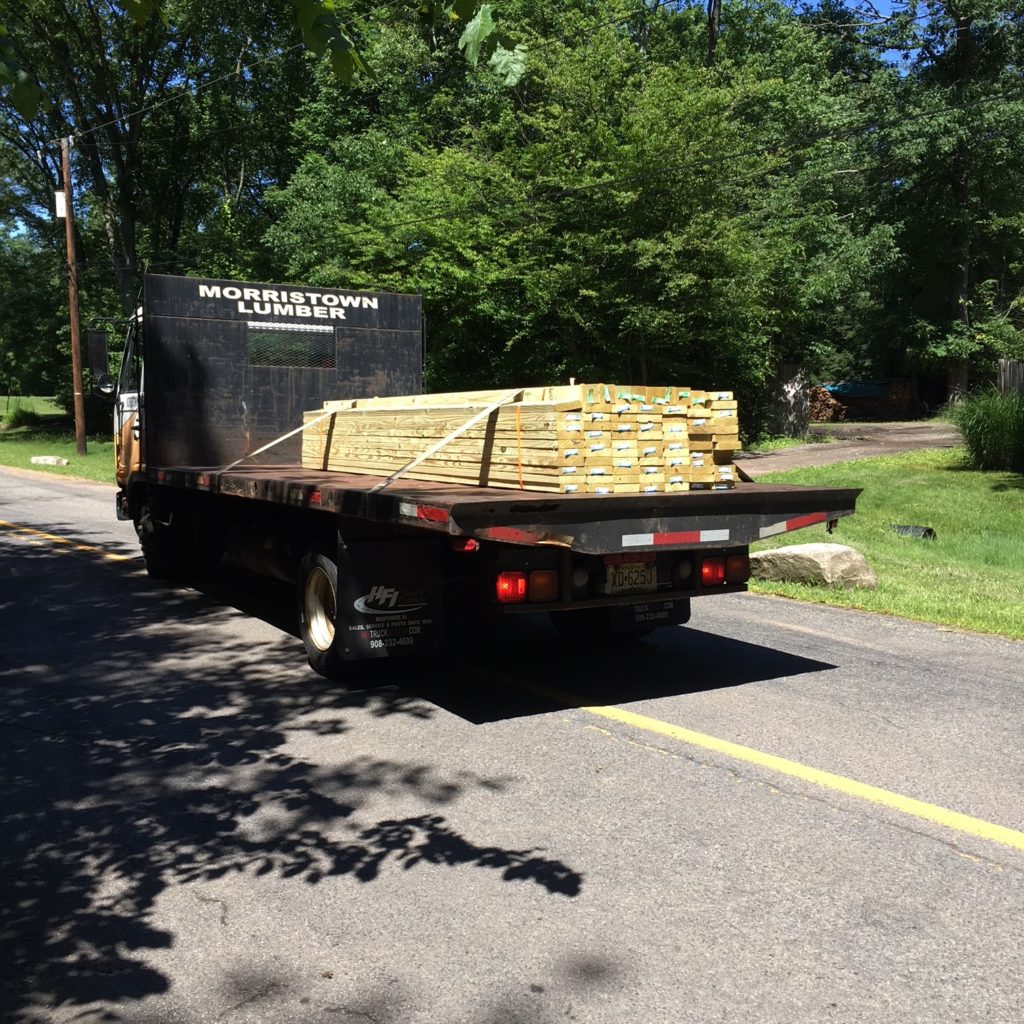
(737, 568)
(511, 587)
(543, 585)
(712, 572)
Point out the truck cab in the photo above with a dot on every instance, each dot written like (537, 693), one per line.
(129, 435)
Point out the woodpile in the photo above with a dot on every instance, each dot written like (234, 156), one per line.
(576, 439)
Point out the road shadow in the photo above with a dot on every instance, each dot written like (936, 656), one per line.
(538, 672)
(145, 743)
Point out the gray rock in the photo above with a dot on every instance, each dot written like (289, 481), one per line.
(833, 564)
(48, 460)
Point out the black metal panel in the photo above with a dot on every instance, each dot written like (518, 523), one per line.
(232, 366)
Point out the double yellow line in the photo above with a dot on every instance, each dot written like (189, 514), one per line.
(31, 535)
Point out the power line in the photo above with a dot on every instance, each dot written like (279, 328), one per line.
(185, 92)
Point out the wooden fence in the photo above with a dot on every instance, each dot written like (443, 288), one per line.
(1011, 376)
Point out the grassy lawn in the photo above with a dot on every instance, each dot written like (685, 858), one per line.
(17, 446)
(971, 577)
(10, 405)
(37, 426)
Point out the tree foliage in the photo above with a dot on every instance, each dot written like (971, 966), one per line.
(621, 188)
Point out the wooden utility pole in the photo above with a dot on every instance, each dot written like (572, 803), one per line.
(76, 343)
(714, 29)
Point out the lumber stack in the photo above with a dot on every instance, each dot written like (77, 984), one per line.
(576, 439)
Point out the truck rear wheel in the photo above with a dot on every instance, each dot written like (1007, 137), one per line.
(318, 613)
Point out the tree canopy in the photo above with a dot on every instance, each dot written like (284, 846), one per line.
(621, 188)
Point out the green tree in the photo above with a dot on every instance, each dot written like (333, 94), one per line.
(624, 213)
(948, 169)
(169, 120)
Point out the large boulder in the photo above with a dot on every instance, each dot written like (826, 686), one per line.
(834, 564)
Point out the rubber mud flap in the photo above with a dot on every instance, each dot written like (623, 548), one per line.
(390, 598)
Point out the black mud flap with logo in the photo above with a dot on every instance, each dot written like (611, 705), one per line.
(389, 598)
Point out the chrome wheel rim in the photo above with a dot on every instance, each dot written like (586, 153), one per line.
(321, 609)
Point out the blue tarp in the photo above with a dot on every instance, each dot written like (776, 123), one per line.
(858, 389)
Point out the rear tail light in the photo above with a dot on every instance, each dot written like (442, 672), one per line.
(737, 568)
(712, 572)
(511, 587)
(544, 585)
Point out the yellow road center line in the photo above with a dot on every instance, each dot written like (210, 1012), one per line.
(838, 783)
(31, 534)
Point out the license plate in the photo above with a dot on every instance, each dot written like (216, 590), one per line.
(631, 578)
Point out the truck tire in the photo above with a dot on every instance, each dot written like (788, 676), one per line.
(318, 612)
(594, 626)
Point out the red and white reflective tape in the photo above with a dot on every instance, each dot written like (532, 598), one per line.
(648, 540)
(793, 524)
(410, 510)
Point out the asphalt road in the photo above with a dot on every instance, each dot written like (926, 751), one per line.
(195, 828)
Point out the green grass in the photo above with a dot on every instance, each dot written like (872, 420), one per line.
(971, 577)
(17, 446)
(12, 405)
(38, 426)
(992, 426)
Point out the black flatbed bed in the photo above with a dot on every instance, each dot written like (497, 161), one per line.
(587, 523)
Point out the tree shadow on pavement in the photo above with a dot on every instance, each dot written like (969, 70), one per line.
(144, 745)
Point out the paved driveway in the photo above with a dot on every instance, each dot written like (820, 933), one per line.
(855, 441)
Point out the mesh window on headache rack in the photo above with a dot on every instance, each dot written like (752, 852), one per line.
(309, 345)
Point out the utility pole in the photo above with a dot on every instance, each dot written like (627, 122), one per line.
(76, 344)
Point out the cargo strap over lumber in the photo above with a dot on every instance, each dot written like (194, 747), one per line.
(589, 524)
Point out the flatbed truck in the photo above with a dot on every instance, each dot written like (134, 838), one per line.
(214, 378)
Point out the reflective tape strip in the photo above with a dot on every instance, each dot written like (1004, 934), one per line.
(432, 515)
(637, 540)
(707, 536)
(793, 524)
(644, 540)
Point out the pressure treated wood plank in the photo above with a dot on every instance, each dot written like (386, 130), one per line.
(554, 439)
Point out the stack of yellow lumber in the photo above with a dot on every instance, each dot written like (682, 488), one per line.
(575, 439)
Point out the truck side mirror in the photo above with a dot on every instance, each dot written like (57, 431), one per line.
(99, 361)
(105, 384)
